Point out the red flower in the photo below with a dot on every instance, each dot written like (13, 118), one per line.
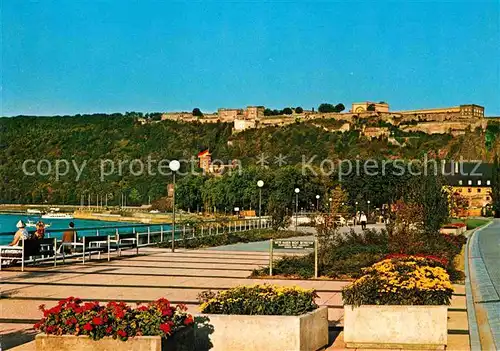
(97, 321)
(142, 308)
(189, 320)
(119, 314)
(121, 333)
(109, 330)
(88, 327)
(166, 312)
(165, 327)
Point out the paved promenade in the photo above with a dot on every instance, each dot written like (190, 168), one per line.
(179, 276)
(483, 288)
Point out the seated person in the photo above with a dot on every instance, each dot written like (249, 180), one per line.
(15, 252)
(69, 236)
(40, 231)
(21, 233)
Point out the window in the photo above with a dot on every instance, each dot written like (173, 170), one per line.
(488, 182)
(469, 182)
(469, 190)
(487, 198)
(460, 182)
(478, 190)
(478, 182)
(460, 190)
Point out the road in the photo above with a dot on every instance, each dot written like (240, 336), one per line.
(484, 263)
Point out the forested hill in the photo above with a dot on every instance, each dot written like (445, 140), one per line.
(93, 138)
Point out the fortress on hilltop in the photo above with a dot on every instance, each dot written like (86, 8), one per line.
(366, 116)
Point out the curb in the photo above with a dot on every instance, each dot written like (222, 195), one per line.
(480, 333)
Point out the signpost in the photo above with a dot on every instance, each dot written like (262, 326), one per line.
(293, 245)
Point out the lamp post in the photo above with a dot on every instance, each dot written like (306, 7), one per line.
(368, 214)
(174, 166)
(260, 184)
(355, 214)
(297, 191)
(330, 204)
(317, 203)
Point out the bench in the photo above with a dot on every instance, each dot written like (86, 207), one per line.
(30, 248)
(99, 243)
(127, 241)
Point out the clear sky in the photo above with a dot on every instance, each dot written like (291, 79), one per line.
(76, 56)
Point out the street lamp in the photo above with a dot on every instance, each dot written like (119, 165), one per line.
(368, 214)
(356, 213)
(297, 191)
(330, 204)
(317, 203)
(174, 166)
(260, 184)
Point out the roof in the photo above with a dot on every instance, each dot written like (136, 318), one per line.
(470, 173)
(204, 153)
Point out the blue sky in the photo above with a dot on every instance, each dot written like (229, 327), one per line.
(75, 56)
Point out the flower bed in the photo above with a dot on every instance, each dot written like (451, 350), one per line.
(265, 317)
(399, 302)
(407, 280)
(260, 299)
(115, 320)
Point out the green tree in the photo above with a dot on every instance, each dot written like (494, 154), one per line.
(371, 107)
(299, 109)
(287, 111)
(197, 112)
(188, 192)
(495, 187)
(326, 108)
(135, 196)
(339, 107)
(429, 192)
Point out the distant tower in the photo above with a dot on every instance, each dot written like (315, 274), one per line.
(205, 158)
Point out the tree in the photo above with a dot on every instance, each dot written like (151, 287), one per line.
(339, 107)
(197, 112)
(299, 109)
(135, 196)
(188, 192)
(495, 187)
(371, 107)
(287, 111)
(458, 204)
(268, 112)
(429, 192)
(326, 108)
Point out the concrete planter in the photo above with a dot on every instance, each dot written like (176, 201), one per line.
(306, 332)
(183, 340)
(395, 326)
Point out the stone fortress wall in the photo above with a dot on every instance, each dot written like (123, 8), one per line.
(455, 120)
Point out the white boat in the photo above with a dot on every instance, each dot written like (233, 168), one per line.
(53, 215)
(29, 210)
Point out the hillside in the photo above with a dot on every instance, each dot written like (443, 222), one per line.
(92, 138)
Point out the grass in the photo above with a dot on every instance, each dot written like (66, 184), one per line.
(472, 223)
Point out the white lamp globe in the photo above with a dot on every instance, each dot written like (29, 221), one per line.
(174, 165)
(297, 190)
(260, 183)
(317, 196)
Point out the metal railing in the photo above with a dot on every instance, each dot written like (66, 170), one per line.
(154, 234)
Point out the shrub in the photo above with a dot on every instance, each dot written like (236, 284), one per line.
(401, 281)
(116, 319)
(290, 266)
(260, 300)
